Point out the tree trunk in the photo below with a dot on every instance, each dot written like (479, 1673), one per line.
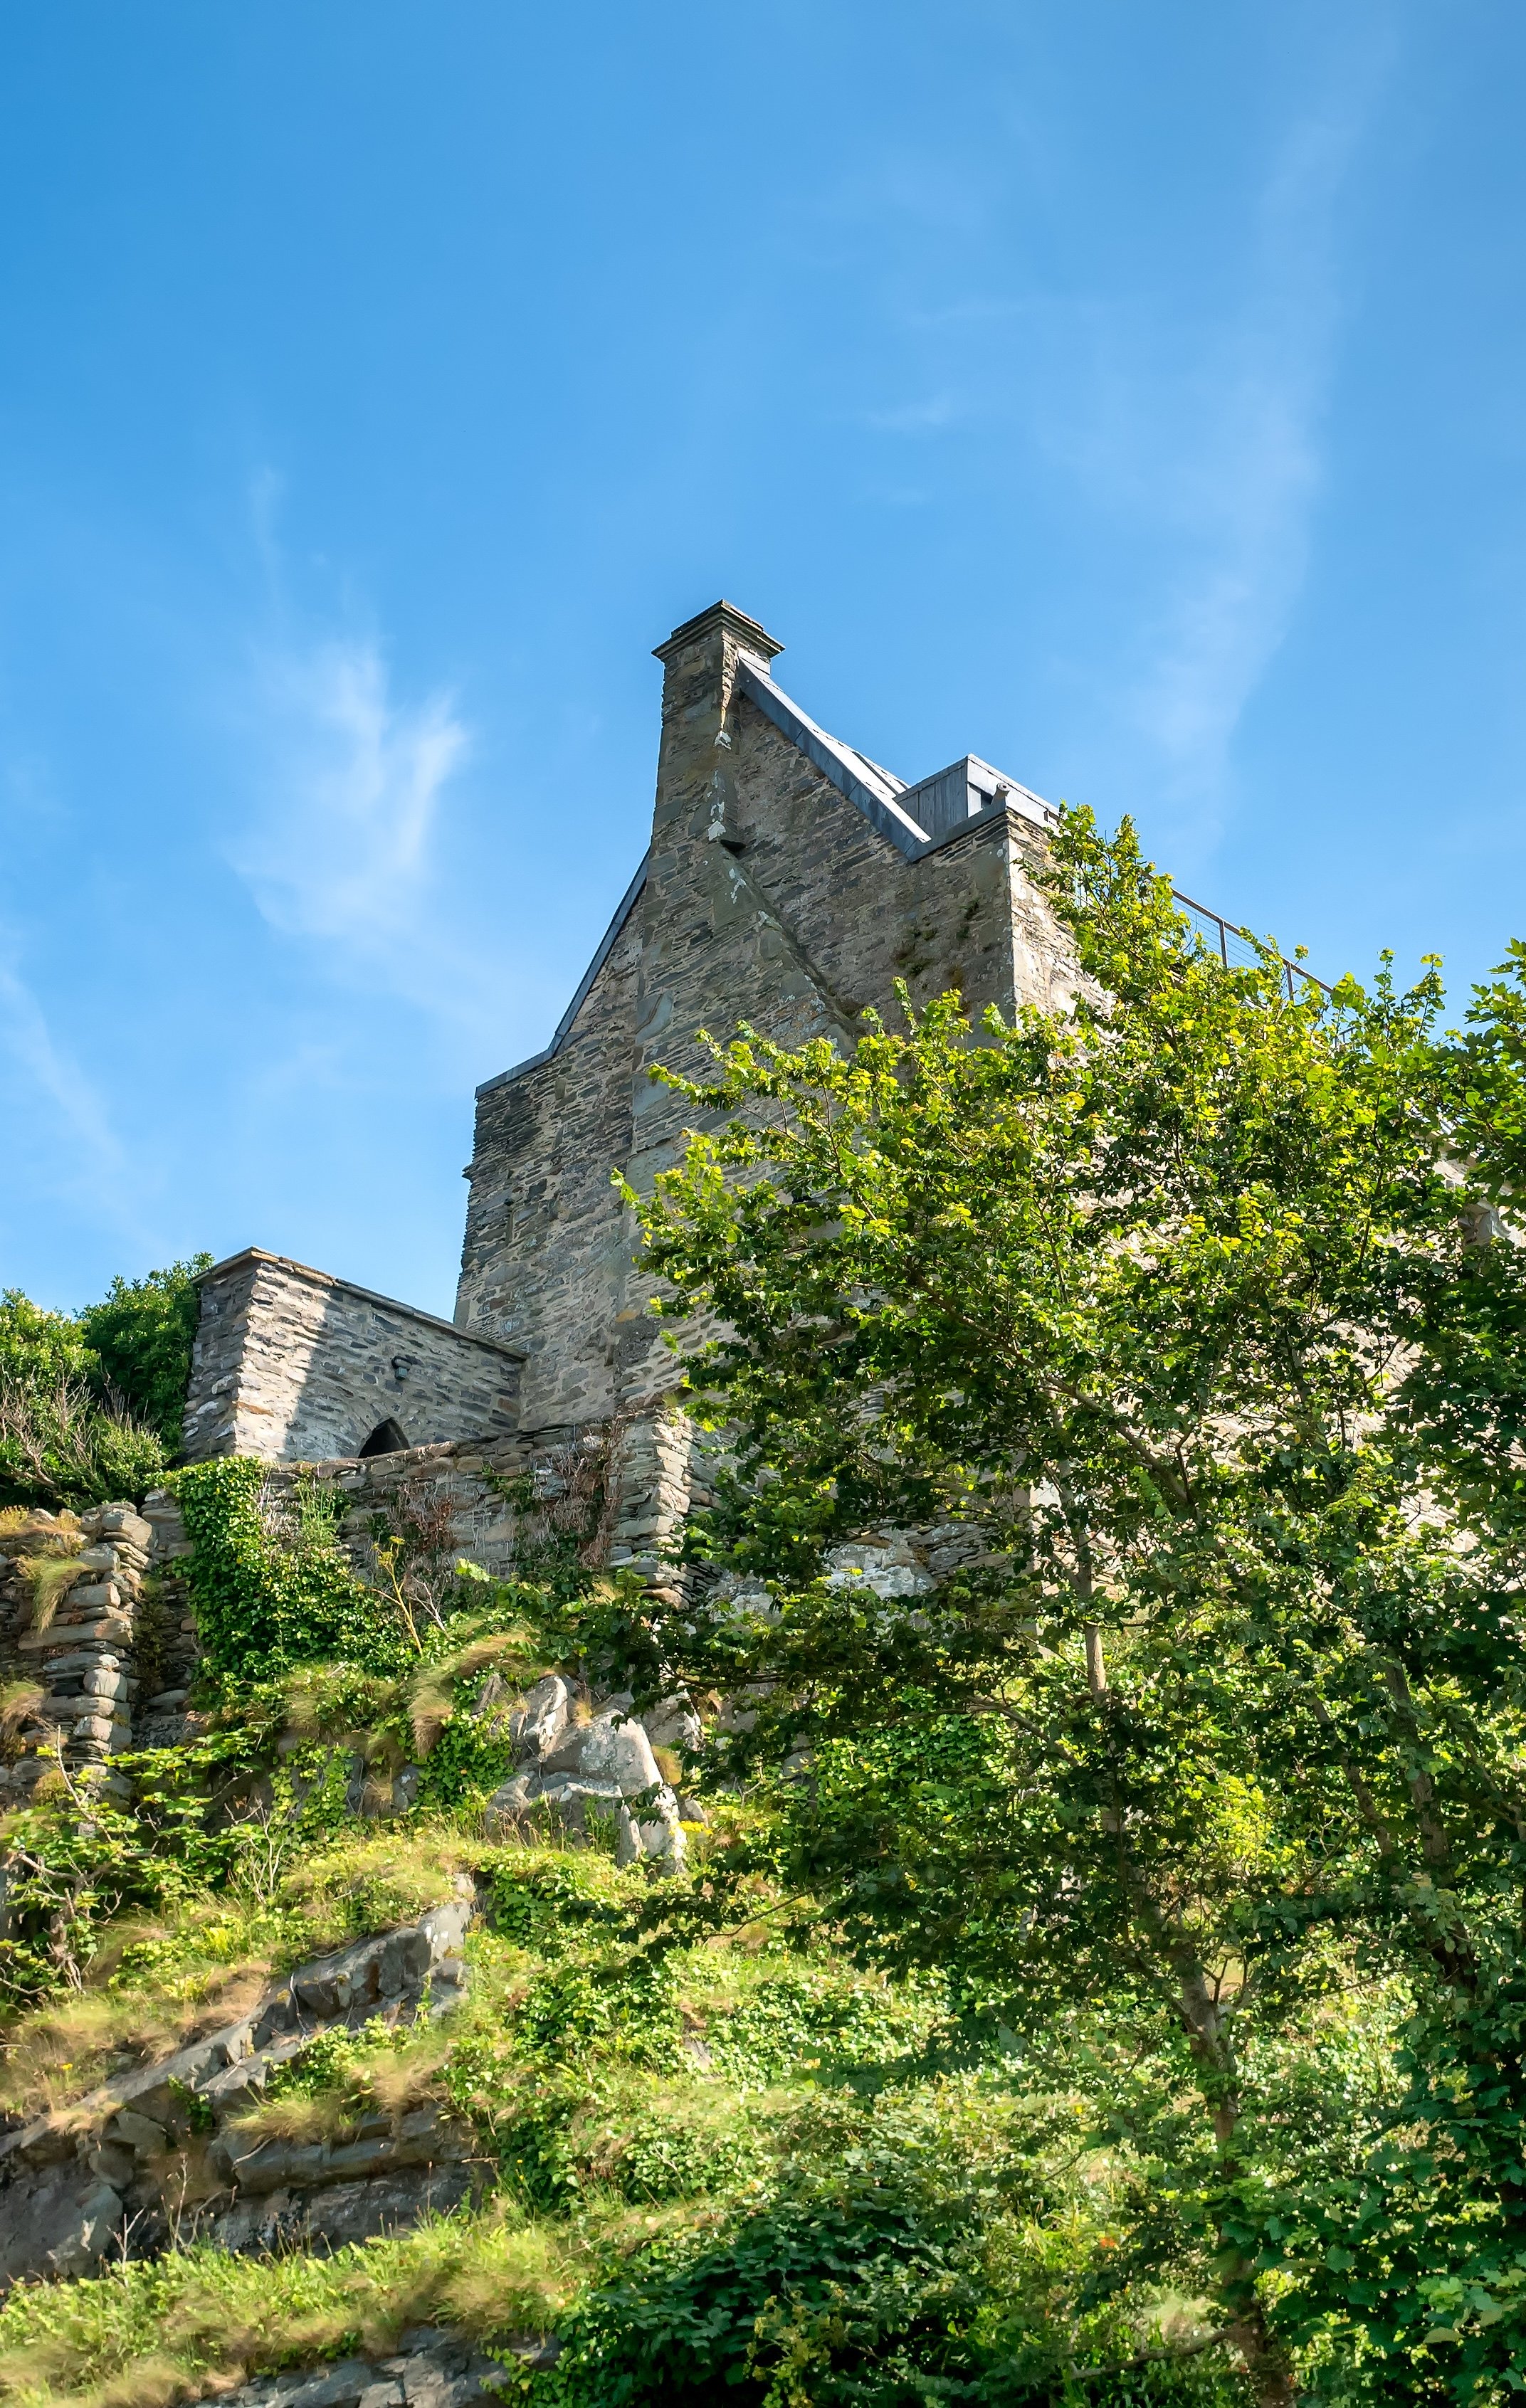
(1266, 2363)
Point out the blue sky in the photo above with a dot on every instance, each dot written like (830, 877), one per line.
(1133, 395)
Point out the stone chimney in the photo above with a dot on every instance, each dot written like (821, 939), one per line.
(695, 791)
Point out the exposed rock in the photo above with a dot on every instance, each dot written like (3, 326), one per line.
(59, 2221)
(543, 1717)
(655, 1833)
(673, 1723)
(615, 1749)
(429, 2369)
(282, 2220)
(892, 1569)
(72, 2182)
(605, 1765)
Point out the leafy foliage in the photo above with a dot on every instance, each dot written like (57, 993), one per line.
(91, 1407)
(142, 1334)
(64, 1439)
(259, 1605)
(899, 2263)
(1170, 1309)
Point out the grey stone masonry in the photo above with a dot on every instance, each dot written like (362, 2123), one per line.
(790, 883)
(78, 1657)
(294, 1366)
(110, 1658)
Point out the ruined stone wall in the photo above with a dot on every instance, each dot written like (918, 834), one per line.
(113, 1658)
(291, 1364)
(636, 1474)
(109, 1659)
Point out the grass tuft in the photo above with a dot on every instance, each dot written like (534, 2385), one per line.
(198, 2321)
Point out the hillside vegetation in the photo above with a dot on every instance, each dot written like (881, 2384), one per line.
(718, 2151)
(1064, 1939)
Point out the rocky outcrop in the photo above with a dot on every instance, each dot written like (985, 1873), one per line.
(573, 1763)
(159, 2151)
(428, 2369)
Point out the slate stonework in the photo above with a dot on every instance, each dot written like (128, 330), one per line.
(771, 894)
(290, 1364)
(790, 883)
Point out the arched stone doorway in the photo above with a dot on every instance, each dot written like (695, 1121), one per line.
(386, 1439)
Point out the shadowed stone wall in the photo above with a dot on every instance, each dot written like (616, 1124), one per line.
(291, 1365)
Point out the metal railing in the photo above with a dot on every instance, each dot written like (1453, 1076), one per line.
(1235, 946)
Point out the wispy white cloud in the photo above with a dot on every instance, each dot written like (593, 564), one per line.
(352, 781)
(1206, 440)
(1249, 474)
(75, 1148)
(350, 793)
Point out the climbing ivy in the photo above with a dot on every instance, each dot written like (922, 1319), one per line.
(262, 1606)
(466, 1764)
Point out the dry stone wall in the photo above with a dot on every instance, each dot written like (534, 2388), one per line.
(290, 1363)
(108, 1657)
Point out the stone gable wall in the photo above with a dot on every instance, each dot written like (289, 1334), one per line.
(769, 898)
(291, 1365)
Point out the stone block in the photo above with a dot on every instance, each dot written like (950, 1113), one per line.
(136, 2132)
(103, 1629)
(58, 2223)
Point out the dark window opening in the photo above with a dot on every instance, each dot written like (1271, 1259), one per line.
(386, 1439)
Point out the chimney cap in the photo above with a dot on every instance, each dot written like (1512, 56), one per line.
(732, 621)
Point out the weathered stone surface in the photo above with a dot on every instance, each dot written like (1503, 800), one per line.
(293, 1365)
(67, 2181)
(789, 881)
(60, 2221)
(539, 1723)
(672, 1722)
(432, 2369)
(892, 1569)
(255, 2167)
(138, 2133)
(617, 1749)
(654, 1832)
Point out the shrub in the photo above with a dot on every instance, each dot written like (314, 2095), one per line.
(141, 1333)
(925, 2258)
(64, 1440)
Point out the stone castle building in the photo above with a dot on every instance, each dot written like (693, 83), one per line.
(790, 882)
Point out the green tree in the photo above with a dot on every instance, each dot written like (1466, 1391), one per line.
(1173, 1310)
(142, 1334)
(37, 1346)
(63, 1441)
